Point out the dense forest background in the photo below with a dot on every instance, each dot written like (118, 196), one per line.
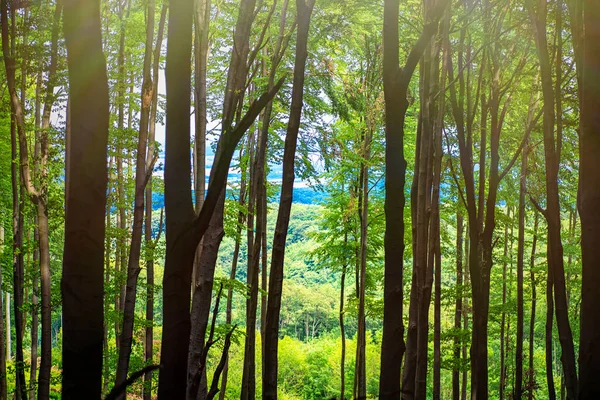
(308, 199)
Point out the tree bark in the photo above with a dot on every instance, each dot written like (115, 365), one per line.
(363, 210)
(503, 336)
(150, 243)
(234, 263)
(589, 200)
(270, 366)
(520, 266)
(234, 95)
(459, 307)
(185, 228)
(531, 373)
(3, 387)
(82, 285)
(201, 49)
(395, 83)
(549, 341)
(552, 214)
(142, 172)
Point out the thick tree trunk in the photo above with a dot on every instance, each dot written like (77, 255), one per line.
(82, 284)
(178, 205)
(589, 201)
(304, 10)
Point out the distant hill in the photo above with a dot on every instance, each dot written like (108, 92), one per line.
(302, 195)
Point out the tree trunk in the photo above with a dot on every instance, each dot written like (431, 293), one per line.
(459, 307)
(395, 83)
(82, 284)
(185, 229)
(253, 256)
(208, 255)
(232, 275)
(201, 49)
(549, 341)
(503, 336)
(17, 134)
(552, 214)
(304, 10)
(343, 330)
(531, 375)
(363, 209)
(150, 243)
(518, 392)
(178, 205)
(589, 199)
(3, 388)
(142, 172)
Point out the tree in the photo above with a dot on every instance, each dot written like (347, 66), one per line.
(589, 198)
(395, 84)
(83, 261)
(552, 212)
(185, 228)
(304, 9)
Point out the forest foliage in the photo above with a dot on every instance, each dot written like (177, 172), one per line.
(299, 199)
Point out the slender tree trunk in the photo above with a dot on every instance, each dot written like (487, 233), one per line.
(234, 263)
(531, 374)
(34, 325)
(589, 199)
(304, 9)
(520, 266)
(439, 112)
(122, 217)
(463, 390)
(503, 336)
(17, 134)
(150, 243)
(201, 49)
(3, 387)
(395, 82)
(552, 213)
(142, 172)
(252, 275)
(83, 261)
(363, 209)
(8, 329)
(343, 329)
(459, 307)
(107, 275)
(549, 341)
